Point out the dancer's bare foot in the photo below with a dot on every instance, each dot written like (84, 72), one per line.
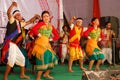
(82, 68)
(89, 69)
(48, 76)
(24, 77)
(70, 71)
(96, 69)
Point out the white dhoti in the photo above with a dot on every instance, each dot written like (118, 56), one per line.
(15, 56)
(108, 55)
(64, 52)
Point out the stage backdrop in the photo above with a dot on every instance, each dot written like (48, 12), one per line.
(84, 9)
(29, 9)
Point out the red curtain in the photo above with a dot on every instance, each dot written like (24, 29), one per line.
(96, 9)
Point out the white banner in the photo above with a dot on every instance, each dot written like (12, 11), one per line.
(29, 9)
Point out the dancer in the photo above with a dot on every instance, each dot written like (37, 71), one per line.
(94, 52)
(75, 51)
(14, 55)
(45, 56)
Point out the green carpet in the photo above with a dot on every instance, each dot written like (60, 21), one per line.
(60, 72)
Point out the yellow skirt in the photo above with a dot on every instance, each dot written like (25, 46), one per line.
(91, 45)
(76, 53)
(41, 45)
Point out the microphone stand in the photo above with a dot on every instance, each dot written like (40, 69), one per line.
(113, 43)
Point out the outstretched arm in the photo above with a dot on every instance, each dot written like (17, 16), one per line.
(32, 19)
(86, 33)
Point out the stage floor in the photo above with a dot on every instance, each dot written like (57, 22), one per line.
(60, 72)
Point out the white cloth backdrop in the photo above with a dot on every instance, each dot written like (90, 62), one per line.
(29, 8)
(84, 9)
(78, 8)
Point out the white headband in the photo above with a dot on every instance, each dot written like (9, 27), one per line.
(17, 12)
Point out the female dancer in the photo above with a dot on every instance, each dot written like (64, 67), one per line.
(94, 52)
(45, 56)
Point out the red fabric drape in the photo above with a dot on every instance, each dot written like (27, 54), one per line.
(96, 9)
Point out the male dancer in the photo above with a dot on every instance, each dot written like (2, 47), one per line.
(13, 31)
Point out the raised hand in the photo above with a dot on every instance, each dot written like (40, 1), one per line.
(14, 4)
(73, 17)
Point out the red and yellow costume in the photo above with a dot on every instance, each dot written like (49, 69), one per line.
(74, 43)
